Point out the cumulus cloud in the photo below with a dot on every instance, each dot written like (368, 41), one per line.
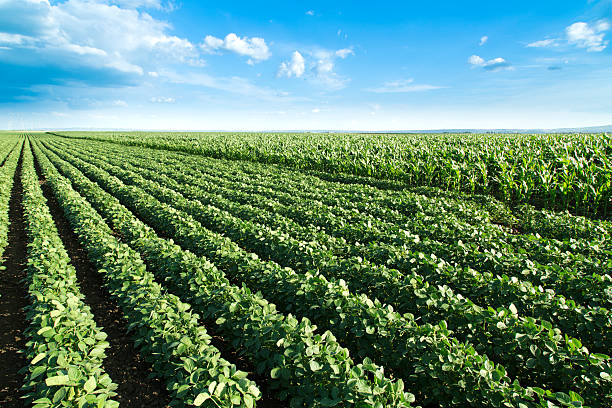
(580, 34)
(96, 35)
(495, 64)
(586, 36)
(293, 68)
(255, 47)
(403, 85)
(483, 40)
(310, 12)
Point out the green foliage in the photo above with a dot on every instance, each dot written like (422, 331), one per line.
(65, 347)
(167, 332)
(9, 155)
(273, 341)
(556, 171)
(162, 217)
(516, 337)
(457, 294)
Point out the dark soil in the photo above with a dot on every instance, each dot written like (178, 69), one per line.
(123, 363)
(13, 299)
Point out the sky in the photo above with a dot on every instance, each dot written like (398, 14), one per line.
(310, 65)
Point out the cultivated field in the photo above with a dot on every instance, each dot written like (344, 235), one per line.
(305, 270)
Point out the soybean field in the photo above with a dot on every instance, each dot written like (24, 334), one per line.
(305, 270)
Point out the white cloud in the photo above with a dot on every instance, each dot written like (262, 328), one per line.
(154, 74)
(155, 4)
(211, 43)
(120, 103)
(602, 25)
(295, 67)
(590, 37)
(14, 39)
(476, 60)
(92, 34)
(344, 52)
(323, 68)
(316, 110)
(551, 42)
(161, 99)
(483, 40)
(580, 34)
(137, 3)
(495, 64)
(403, 85)
(318, 67)
(255, 47)
(124, 66)
(310, 12)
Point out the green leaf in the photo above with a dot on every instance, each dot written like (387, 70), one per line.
(57, 380)
(575, 396)
(55, 313)
(59, 395)
(314, 366)
(38, 371)
(90, 384)
(563, 398)
(211, 387)
(38, 358)
(275, 373)
(513, 308)
(199, 400)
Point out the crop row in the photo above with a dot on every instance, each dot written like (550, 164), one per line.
(576, 268)
(591, 286)
(594, 323)
(167, 333)
(307, 367)
(358, 315)
(594, 288)
(65, 348)
(196, 243)
(9, 154)
(591, 325)
(392, 202)
(554, 171)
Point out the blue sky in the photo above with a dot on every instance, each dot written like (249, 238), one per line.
(344, 65)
